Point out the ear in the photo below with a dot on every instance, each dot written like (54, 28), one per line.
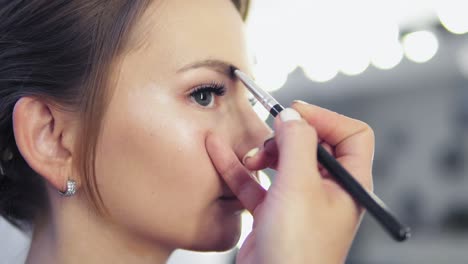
(45, 138)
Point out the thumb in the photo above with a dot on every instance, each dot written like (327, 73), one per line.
(297, 145)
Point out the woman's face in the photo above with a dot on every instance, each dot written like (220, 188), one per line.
(153, 170)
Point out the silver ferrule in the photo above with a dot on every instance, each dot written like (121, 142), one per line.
(262, 96)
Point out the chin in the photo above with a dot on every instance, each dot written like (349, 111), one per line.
(226, 244)
(216, 245)
(220, 238)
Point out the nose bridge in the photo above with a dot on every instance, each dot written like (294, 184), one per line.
(250, 130)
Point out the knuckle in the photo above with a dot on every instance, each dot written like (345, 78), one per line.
(366, 129)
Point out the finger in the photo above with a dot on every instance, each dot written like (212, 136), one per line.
(236, 176)
(265, 157)
(353, 140)
(296, 141)
(328, 148)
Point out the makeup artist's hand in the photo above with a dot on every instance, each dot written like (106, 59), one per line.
(305, 217)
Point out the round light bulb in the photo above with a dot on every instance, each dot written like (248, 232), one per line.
(420, 46)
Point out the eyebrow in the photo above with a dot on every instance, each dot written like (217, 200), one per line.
(220, 66)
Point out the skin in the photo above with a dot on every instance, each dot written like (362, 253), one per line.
(305, 217)
(164, 161)
(153, 170)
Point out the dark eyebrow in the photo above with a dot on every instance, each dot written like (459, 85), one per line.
(215, 65)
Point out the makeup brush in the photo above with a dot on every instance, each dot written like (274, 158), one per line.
(368, 200)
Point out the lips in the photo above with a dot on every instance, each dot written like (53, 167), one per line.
(227, 195)
(229, 201)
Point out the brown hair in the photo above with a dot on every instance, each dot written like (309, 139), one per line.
(60, 51)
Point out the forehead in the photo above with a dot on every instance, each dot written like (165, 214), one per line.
(177, 32)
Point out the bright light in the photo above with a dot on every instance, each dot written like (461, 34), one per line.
(319, 63)
(420, 46)
(453, 15)
(320, 73)
(327, 37)
(268, 39)
(247, 222)
(354, 64)
(264, 180)
(318, 42)
(387, 55)
(186, 256)
(386, 50)
(353, 52)
(270, 77)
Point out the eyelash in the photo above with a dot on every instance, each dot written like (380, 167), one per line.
(218, 88)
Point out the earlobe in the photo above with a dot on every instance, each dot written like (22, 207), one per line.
(39, 136)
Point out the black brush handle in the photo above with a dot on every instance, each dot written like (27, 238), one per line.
(368, 200)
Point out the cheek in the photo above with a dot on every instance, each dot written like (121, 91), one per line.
(153, 170)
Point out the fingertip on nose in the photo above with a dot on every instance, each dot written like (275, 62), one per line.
(250, 154)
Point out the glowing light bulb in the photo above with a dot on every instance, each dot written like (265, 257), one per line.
(388, 55)
(268, 39)
(270, 77)
(354, 64)
(420, 46)
(319, 64)
(452, 15)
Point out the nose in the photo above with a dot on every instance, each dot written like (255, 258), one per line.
(250, 132)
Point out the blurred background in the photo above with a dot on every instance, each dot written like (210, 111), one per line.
(402, 67)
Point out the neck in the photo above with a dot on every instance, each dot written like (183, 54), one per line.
(74, 234)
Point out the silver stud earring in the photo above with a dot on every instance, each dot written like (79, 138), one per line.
(71, 189)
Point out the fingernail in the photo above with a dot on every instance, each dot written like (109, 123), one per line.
(300, 102)
(289, 114)
(268, 141)
(250, 154)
